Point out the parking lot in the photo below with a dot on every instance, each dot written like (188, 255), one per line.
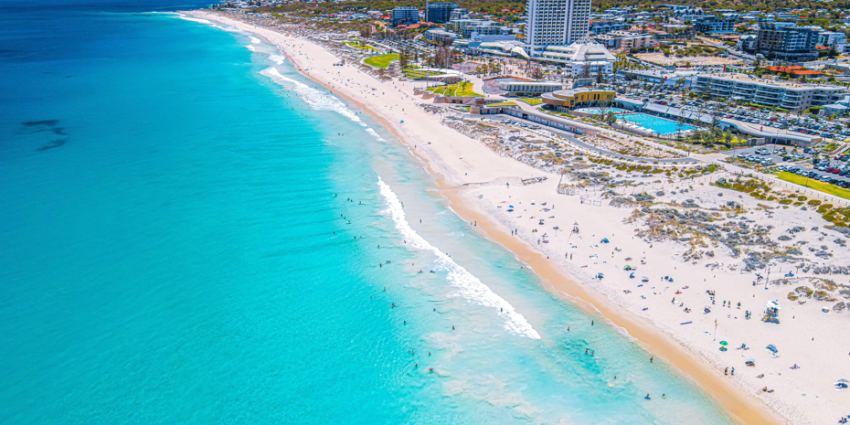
(834, 170)
(770, 155)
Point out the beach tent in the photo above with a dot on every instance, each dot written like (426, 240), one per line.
(841, 384)
(750, 363)
(772, 348)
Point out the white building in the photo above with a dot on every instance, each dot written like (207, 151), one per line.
(835, 40)
(529, 88)
(582, 57)
(770, 93)
(556, 22)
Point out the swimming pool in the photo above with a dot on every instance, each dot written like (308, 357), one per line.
(600, 111)
(659, 125)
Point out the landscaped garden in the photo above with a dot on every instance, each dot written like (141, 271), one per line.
(381, 61)
(463, 88)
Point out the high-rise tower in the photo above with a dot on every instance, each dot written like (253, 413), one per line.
(556, 22)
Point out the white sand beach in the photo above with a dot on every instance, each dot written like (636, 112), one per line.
(651, 311)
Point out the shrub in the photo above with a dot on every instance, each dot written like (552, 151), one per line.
(802, 198)
(814, 202)
(824, 208)
(784, 201)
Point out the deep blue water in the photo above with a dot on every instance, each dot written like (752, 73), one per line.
(175, 247)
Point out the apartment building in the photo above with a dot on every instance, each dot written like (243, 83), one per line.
(712, 23)
(770, 93)
(439, 12)
(405, 15)
(625, 40)
(459, 13)
(480, 29)
(604, 27)
(787, 41)
(440, 36)
(834, 40)
(684, 14)
(556, 22)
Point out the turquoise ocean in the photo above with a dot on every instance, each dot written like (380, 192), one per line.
(185, 238)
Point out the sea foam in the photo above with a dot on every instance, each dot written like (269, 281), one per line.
(189, 18)
(469, 287)
(317, 99)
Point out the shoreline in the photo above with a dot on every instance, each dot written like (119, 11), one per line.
(739, 405)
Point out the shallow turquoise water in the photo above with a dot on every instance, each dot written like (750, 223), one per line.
(600, 111)
(176, 249)
(659, 125)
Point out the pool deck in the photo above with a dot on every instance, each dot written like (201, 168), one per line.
(685, 127)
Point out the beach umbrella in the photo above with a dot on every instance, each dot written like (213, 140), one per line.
(724, 343)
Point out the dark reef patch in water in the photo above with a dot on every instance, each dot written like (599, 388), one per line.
(49, 123)
(53, 144)
(60, 131)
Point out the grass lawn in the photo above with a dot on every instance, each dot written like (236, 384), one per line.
(458, 89)
(381, 61)
(531, 102)
(417, 74)
(503, 104)
(816, 185)
(361, 46)
(465, 89)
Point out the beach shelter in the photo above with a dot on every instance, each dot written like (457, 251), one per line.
(772, 348)
(772, 313)
(841, 384)
(750, 363)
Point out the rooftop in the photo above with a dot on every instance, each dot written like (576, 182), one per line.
(745, 78)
